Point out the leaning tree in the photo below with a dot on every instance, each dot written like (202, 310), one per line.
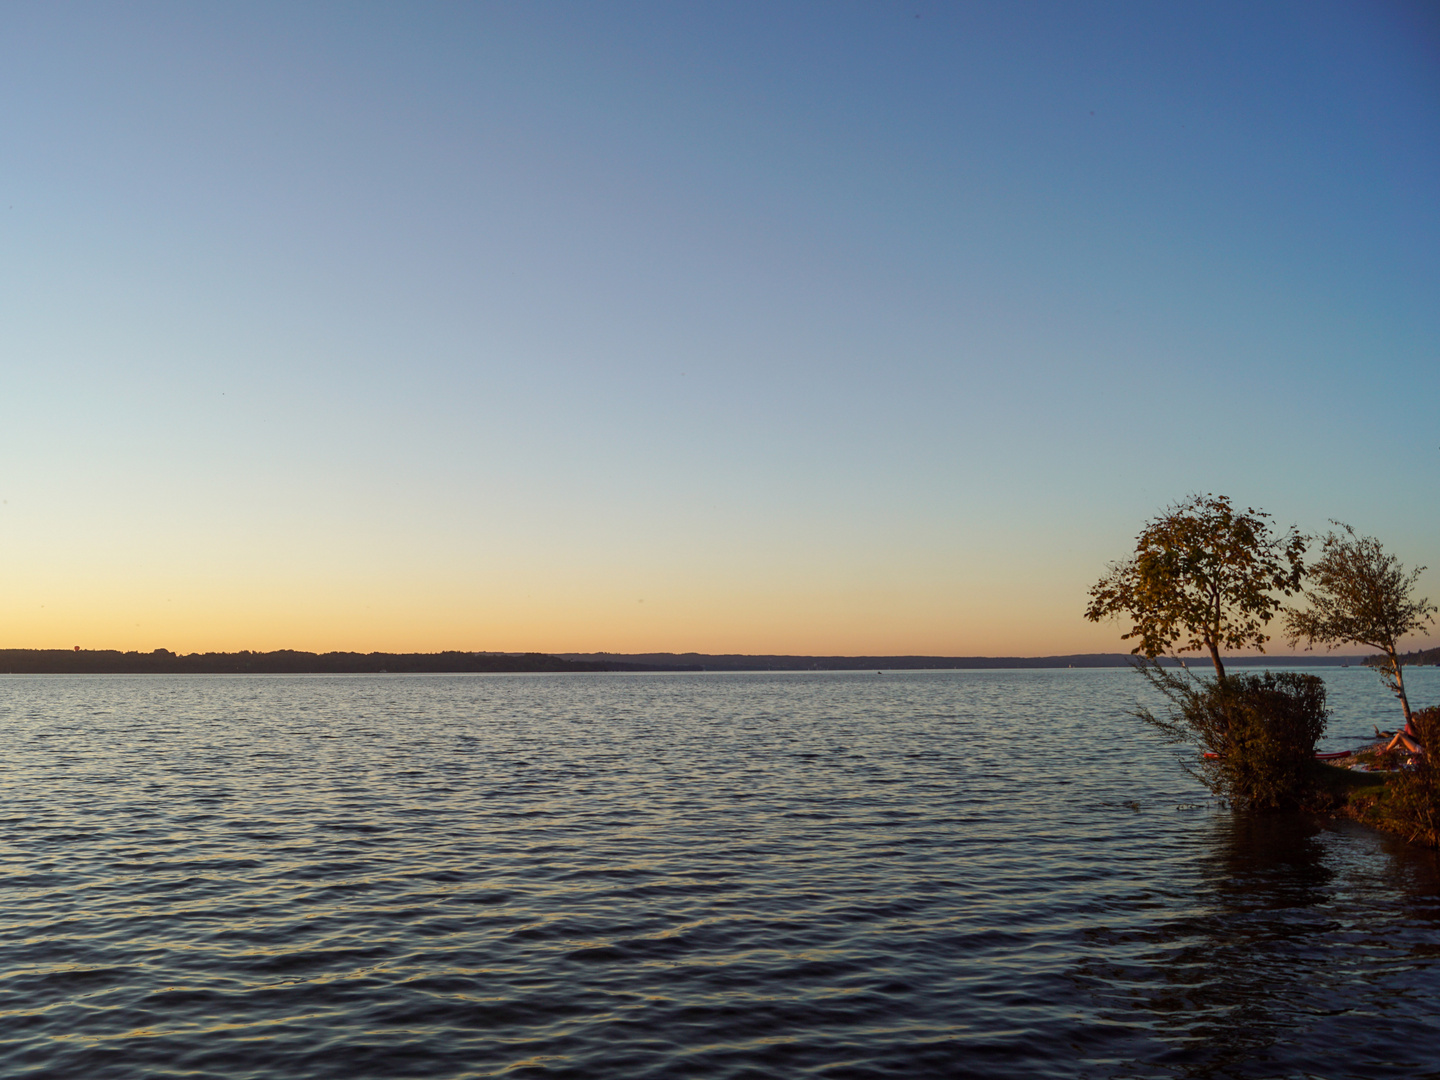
(1361, 595)
(1203, 576)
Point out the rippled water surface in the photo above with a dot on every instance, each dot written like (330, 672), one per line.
(830, 875)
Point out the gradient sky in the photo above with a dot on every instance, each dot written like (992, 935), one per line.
(818, 328)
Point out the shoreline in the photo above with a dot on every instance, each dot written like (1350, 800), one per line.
(298, 662)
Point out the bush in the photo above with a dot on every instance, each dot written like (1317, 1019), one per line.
(1414, 802)
(1275, 722)
(1261, 729)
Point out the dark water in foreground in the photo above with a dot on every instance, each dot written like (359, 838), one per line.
(838, 875)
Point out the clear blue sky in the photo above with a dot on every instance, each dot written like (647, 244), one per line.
(759, 327)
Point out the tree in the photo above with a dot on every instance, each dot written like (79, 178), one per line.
(1203, 577)
(1362, 596)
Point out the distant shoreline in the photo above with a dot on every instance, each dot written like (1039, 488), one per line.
(292, 662)
(780, 662)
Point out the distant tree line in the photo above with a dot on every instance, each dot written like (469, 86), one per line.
(281, 662)
(293, 662)
(762, 662)
(1423, 658)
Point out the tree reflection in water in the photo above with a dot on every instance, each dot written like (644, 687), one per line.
(1306, 951)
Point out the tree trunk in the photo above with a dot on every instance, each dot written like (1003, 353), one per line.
(1212, 632)
(1220, 668)
(1397, 668)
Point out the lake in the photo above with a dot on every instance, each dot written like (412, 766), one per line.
(918, 874)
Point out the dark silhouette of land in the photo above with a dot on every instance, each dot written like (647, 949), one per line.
(280, 662)
(291, 662)
(747, 662)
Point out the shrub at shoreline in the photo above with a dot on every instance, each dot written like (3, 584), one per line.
(1256, 733)
(1405, 801)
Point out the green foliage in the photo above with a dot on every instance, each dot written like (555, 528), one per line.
(1203, 576)
(1262, 730)
(1361, 595)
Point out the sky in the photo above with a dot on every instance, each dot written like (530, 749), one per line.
(829, 328)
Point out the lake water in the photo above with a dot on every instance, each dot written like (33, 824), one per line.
(921, 874)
